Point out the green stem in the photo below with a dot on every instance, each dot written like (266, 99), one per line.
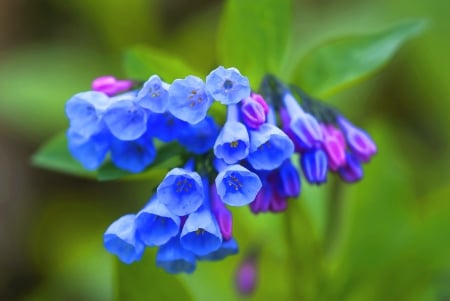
(334, 216)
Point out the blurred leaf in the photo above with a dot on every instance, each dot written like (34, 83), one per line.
(340, 63)
(55, 155)
(253, 36)
(141, 62)
(144, 281)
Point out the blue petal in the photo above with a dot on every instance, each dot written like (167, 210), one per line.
(133, 156)
(173, 258)
(232, 144)
(126, 120)
(156, 225)
(229, 247)
(154, 95)
(227, 86)
(181, 191)
(120, 239)
(89, 151)
(201, 234)
(269, 147)
(165, 126)
(315, 166)
(237, 186)
(199, 138)
(84, 111)
(188, 99)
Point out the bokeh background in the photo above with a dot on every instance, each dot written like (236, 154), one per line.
(386, 238)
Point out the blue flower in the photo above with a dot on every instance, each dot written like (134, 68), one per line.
(188, 99)
(199, 138)
(237, 186)
(154, 95)
(133, 156)
(90, 151)
(84, 111)
(181, 191)
(228, 247)
(125, 119)
(155, 224)
(352, 171)
(174, 259)
(288, 180)
(227, 85)
(269, 147)
(201, 234)
(165, 126)
(315, 166)
(120, 239)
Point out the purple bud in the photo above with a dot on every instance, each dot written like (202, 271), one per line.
(314, 165)
(262, 200)
(333, 147)
(352, 171)
(359, 141)
(288, 180)
(252, 113)
(247, 276)
(110, 85)
(259, 99)
(278, 203)
(222, 214)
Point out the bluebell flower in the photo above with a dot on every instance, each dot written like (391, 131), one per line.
(125, 119)
(188, 99)
(359, 141)
(200, 233)
(232, 144)
(154, 95)
(155, 224)
(91, 150)
(199, 138)
(227, 86)
(303, 127)
(174, 259)
(181, 191)
(237, 186)
(165, 126)
(84, 111)
(288, 180)
(352, 171)
(314, 164)
(120, 239)
(228, 247)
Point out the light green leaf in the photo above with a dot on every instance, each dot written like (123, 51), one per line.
(54, 155)
(141, 62)
(340, 63)
(253, 36)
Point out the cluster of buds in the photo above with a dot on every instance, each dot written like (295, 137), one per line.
(244, 162)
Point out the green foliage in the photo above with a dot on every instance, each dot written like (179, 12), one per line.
(253, 38)
(345, 61)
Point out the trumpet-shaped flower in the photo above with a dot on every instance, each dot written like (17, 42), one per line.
(227, 86)
(174, 259)
(154, 95)
(133, 156)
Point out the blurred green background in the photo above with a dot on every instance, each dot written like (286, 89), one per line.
(385, 238)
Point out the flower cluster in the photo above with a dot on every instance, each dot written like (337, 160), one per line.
(244, 162)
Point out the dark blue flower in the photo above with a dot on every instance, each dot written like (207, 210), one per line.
(199, 138)
(352, 171)
(181, 191)
(288, 180)
(237, 186)
(90, 151)
(228, 247)
(188, 99)
(165, 126)
(227, 85)
(125, 119)
(154, 95)
(315, 166)
(120, 239)
(174, 259)
(155, 224)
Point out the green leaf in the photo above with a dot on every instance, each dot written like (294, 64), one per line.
(342, 62)
(141, 62)
(55, 155)
(253, 36)
(144, 281)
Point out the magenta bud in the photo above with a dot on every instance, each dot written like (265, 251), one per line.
(253, 113)
(359, 141)
(259, 99)
(333, 147)
(247, 276)
(352, 171)
(222, 214)
(110, 85)
(262, 200)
